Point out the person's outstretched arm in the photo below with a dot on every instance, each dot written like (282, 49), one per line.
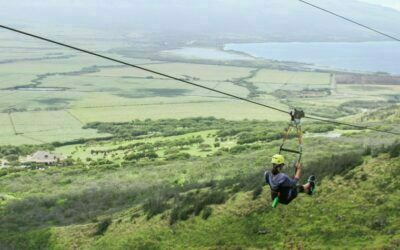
(298, 171)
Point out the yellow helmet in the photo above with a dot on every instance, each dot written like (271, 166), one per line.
(278, 159)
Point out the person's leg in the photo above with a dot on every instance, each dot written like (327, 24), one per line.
(307, 188)
(289, 196)
(302, 188)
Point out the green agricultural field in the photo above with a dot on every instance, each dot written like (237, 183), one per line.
(115, 93)
(230, 110)
(38, 127)
(41, 67)
(96, 90)
(6, 128)
(369, 90)
(200, 71)
(86, 89)
(291, 77)
(9, 80)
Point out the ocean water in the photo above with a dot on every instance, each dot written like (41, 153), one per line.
(361, 57)
(206, 53)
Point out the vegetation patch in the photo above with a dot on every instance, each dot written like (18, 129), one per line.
(54, 101)
(354, 107)
(193, 203)
(161, 92)
(102, 226)
(305, 93)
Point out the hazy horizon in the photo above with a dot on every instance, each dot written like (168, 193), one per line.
(394, 4)
(259, 20)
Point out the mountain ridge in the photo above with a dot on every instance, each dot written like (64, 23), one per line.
(218, 20)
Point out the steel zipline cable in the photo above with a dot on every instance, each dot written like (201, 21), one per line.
(185, 81)
(350, 20)
(349, 124)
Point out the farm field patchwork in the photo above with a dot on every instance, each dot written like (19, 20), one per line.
(80, 88)
(39, 127)
(229, 110)
(374, 91)
(199, 71)
(291, 77)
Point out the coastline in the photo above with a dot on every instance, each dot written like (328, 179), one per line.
(327, 61)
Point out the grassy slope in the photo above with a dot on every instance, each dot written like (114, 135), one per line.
(358, 210)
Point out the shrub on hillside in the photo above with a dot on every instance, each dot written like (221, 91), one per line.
(102, 226)
(12, 157)
(215, 197)
(334, 164)
(171, 150)
(378, 223)
(238, 149)
(154, 206)
(204, 147)
(319, 128)
(257, 192)
(36, 239)
(367, 151)
(150, 154)
(194, 204)
(206, 213)
(174, 216)
(178, 156)
(394, 150)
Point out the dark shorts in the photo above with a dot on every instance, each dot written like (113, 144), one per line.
(286, 194)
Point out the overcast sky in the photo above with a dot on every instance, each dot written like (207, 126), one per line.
(388, 3)
(274, 19)
(395, 4)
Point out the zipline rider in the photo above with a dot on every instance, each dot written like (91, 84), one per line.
(282, 186)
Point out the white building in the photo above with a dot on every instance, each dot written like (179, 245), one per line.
(43, 157)
(4, 163)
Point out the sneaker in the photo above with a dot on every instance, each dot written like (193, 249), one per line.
(311, 180)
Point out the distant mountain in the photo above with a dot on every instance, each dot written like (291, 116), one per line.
(267, 20)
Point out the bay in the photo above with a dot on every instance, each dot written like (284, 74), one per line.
(360, 57)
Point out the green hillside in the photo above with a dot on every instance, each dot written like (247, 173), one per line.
(357, 210)
(198, 184)
(145, 126)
